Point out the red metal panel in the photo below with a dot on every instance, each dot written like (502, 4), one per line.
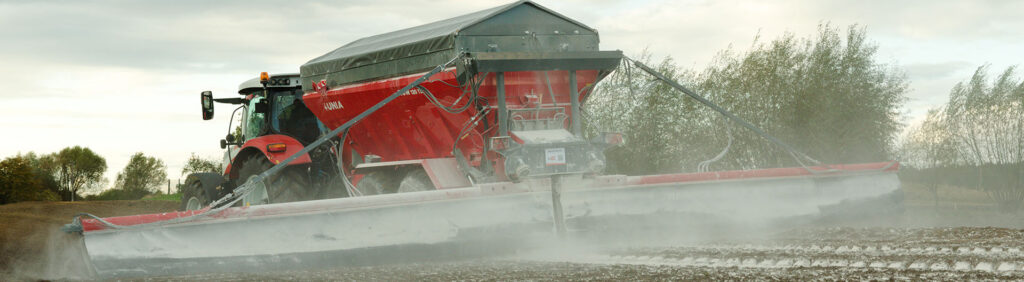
(93, 225)
(293, 146)
(411, 127)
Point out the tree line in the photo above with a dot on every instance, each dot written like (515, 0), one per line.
(826, 95)
(975, 140)
(70, 173)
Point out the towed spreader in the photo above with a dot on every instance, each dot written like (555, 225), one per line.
(457, 138)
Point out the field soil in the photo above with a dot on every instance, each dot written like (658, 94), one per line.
(30, 231)
(958, 236)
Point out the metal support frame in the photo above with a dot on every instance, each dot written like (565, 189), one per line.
(556, 205)
(574, 96)
(502, 106)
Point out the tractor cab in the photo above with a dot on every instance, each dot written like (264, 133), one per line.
(269, 105)
(277, 108)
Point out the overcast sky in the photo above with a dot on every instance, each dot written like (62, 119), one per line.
(122, 77)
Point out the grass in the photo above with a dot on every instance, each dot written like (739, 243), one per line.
(163, 197)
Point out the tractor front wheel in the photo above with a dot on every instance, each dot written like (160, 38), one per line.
(289, 185)
(194, 197)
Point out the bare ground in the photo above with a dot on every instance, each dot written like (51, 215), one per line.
(962, 238)
(828, 253)
(27, 228)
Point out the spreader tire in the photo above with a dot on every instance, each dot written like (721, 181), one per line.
(377, 182)
(290, 185)
(415, 181)
(193, 197)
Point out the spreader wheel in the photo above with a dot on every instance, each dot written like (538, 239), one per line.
(194, 197)
(416, 180)
(290, 185)
(377, 182)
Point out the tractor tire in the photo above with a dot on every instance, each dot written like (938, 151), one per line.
(290, 185)
(415, 181)
(336, 188)
(376, 183)
(193, 196)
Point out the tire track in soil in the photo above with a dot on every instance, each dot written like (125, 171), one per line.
(948, 253)
(1002, 261)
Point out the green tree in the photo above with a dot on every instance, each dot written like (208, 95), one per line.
(986, 119)
(74, 168)
(976, 139)
(18, 182)
(653, 118)
(42, 167)
(826, 96)
(986, 122)
(142, 176)
(196, 164)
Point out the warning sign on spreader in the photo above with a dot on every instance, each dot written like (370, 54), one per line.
(554, 156)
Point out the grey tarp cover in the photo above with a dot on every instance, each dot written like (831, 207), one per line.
(520, 26)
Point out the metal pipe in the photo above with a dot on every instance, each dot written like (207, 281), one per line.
(502, 106)
(574, 97)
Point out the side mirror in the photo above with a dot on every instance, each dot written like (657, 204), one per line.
(207, 101)
(262, 107)
(228, 140)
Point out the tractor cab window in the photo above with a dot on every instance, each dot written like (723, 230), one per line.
(255, 123)
(291, 117)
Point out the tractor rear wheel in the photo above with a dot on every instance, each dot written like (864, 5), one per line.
(376, 183)
(415, 181)
(289, 185)
(193, 197)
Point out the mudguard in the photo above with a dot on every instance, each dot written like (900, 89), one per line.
(258, 145)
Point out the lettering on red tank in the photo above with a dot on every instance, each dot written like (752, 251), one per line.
(333, 105)
(321, 87)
